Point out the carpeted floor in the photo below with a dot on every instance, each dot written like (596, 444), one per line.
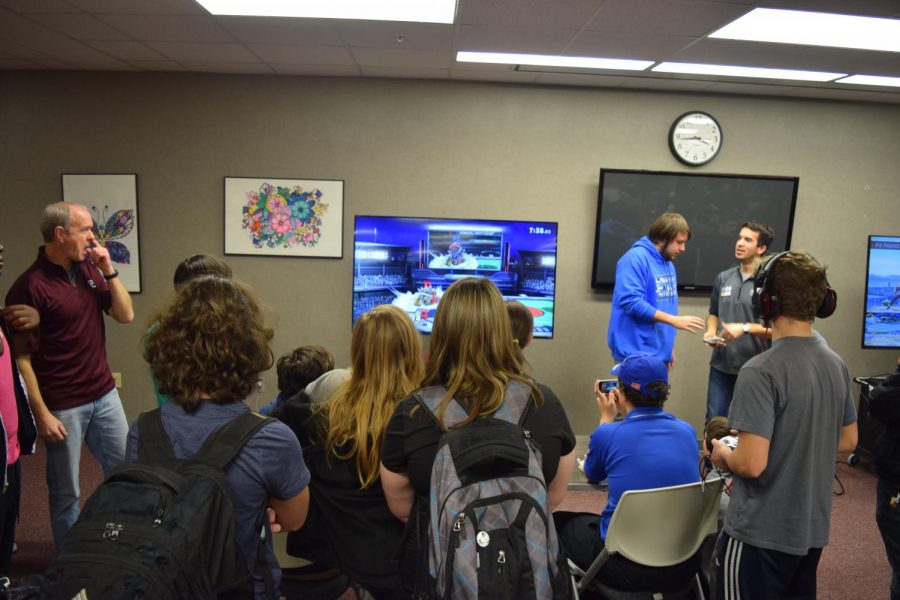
(853, 566)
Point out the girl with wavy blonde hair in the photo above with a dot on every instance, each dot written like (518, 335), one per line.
(472, 350)
(386, 357)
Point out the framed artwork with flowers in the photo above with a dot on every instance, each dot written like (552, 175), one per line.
(112, 201)
(284, 217)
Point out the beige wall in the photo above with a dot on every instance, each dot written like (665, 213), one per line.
(442, 149)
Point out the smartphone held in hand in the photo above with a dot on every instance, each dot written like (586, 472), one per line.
(608, 385)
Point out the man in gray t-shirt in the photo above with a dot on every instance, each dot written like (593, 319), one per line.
(794, 412)
(731, 318)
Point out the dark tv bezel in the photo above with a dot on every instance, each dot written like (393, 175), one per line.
(862, 336)
(460, 219)
(692, 287)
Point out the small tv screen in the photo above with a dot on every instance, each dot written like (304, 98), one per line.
(881, 323)
(715, 206)
(410, 261)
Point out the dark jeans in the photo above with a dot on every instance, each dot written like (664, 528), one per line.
(745, 571)
(719, 393)
(579, 534)
(888, 519)
(9, 514)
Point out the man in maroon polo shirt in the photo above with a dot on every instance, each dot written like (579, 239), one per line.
(70, 387)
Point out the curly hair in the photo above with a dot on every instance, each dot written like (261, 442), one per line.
(798, 281)
(299, 368)
(471, 352)
(210, 343)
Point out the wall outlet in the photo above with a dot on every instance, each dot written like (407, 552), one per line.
(118, 378)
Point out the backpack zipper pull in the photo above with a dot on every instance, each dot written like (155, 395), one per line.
(458, 523)
(501, 560)
(157, 520)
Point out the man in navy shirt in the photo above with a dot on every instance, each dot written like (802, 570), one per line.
(647, 449)
(70, 387)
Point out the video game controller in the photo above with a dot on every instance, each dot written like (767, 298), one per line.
(730, 440)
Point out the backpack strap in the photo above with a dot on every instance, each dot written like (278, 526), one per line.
(154, 445)
(516, 406)
(222, 445)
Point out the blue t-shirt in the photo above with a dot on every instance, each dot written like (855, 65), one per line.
(645, 282)
(269, 465)
(650, 448)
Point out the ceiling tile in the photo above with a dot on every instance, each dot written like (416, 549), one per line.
(140, 7)
(165, 28)
(507, 76)
(752, 89)
(579, 80)
(507, 39)
(18, 50)
(619, 44)
(227, 67)
(280, 53)
(270, 30)
(318, 70)
(379, 34)
(27, 7)
(661, 83)
(130, 51)
(157, 65)
(184, 51)
(392, 57)
(535, 14)
(19, 63)
(408, 73)
(80, 27)
(672, 17)
(731, 52)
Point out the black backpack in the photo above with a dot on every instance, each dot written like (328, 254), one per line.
(162, 527)
(491, 532)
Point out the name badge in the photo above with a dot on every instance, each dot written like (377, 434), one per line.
(726, 291)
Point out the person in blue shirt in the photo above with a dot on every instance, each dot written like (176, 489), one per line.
(647, 449)
(644, 313)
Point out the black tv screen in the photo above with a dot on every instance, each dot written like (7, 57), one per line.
(881, 323)
(715, 206)
(410, 261)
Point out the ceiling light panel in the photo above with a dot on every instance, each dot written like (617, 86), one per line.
(421, 11)
(871, 80)
(736, 71)
(547, 60)
(814, 29)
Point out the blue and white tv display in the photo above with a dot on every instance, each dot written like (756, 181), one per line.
(881, 324)
(410, 261)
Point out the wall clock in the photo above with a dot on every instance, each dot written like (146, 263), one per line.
(695, 138)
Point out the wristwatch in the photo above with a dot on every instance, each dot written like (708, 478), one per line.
(112, 275)
(745, 327)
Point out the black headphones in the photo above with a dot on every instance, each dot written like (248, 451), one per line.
(765, 301)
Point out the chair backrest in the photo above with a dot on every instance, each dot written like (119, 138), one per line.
(661, 527)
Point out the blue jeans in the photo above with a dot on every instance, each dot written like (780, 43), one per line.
(102, 424)
(888, 520)
(719, 393)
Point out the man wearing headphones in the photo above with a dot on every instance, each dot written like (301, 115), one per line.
(793, 411)
(731, 330)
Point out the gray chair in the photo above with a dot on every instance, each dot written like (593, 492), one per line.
(658, 527)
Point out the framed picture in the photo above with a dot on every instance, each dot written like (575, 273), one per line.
(284, 217)
(112, 201)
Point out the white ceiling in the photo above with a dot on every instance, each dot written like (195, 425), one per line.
(179, 35)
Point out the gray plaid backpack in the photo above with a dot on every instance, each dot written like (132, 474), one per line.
(491, 533)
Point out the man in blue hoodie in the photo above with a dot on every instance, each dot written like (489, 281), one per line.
(645, 299)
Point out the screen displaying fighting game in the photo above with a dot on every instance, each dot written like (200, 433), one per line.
(881, 324)
(410, 261)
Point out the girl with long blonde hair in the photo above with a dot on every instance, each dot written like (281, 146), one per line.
(473, 357)
(350, 526)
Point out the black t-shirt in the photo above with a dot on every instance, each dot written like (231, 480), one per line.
(410, 442)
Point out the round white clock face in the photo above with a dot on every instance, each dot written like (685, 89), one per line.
(695, 138)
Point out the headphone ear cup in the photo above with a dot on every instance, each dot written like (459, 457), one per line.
(829, 303)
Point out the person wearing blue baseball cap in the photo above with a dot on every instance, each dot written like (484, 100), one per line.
(648, 448)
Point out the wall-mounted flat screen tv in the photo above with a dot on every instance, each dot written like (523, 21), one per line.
(881, 323)
(715, 206)
(410, 261)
